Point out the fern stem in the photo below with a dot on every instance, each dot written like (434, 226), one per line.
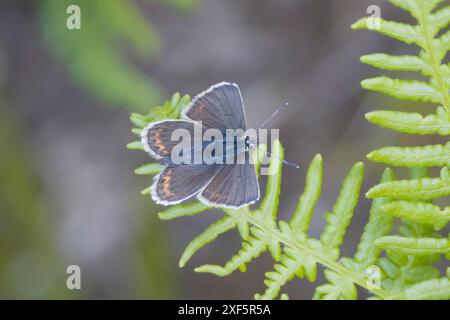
(430, 50)
(321, 258)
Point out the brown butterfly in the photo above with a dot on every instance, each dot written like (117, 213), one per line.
(217, 184)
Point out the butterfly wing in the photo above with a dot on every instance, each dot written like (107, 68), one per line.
(219, 107)
(157, 136)
(179, 183)
(232, 187)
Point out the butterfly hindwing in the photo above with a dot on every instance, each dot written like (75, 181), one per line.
(178, 183)
(232, 187)
(219, 107)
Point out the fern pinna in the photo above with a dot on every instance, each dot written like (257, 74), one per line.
(413, 253)
(296, 254)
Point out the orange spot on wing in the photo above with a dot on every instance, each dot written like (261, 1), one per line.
(157, 142)
(165, 183)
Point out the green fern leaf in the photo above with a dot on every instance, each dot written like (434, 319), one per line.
(379, 224)
(440, 19)
(419, 212)
(241, 222)
(432, 289)
(269, 205)
(302, 216)
(251, 249)
(295, 261)
(183, 210)
(396, 30)
(419, 189)
(292, 263)
(390, 62)
(413, 123)
(339, 288)
(339, 219)
(414, 246)
(403, 89)
(209, 235)
(149, 169)
(135, 145)
(426, 156)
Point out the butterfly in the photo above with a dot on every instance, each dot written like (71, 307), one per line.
(218, 184)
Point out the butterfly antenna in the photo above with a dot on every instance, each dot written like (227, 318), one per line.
(265, 123)
(284, 161)
(272, 116)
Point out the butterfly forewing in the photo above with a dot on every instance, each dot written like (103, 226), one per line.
(219, 107)
(157, 137)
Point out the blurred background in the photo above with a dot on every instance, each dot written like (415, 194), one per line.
(68, 194)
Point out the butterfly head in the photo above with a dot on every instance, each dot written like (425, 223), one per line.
(249, 144)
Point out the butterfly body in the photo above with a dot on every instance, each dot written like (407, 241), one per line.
(215, 168)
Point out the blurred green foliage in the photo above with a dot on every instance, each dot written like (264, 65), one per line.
(30, 266)
(102, 58)
(153, 272)
(95, 54)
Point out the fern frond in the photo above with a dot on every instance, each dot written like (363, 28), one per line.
(400, 31)
(297, 260)
(269, 205)
(183, 210)
(296, 253)
(339, 219)
(291, 264)
(403, 89)
(339, 288)
(419, 212)
(402, 268)
(149, 169)
(135, 145)
(241, 223)
(391, 62)
(251, 249)
(414, 123)
(209, 235)
(379, 224)
(302, 216)
(414, 246)
(427, 156)
(169, 110)
(419, 189)
(433, 289)
(408, 266)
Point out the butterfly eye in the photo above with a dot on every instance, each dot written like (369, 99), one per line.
(247, 143)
